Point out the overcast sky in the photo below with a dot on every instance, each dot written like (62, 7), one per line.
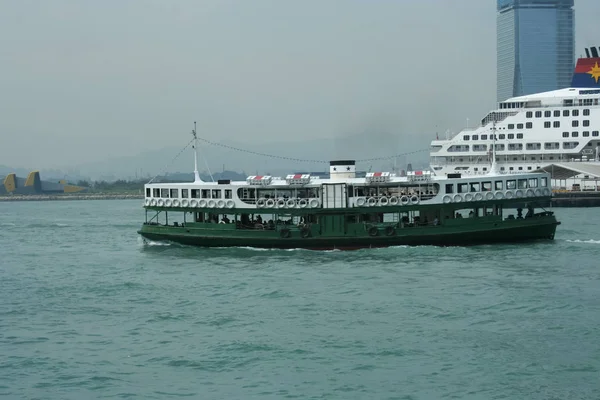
(83, 81)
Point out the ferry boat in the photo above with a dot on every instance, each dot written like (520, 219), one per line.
(344, 211)
(556, 131)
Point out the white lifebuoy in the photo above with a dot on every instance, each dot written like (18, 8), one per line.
(314, 203)
(211, 203)
(393, 201)
(220, 204)
(280, 203)
(185, 202)
(530, 193)
(153, 202)
(291, 203)
(458, 198)
(371, 202)
(160, 202)
(302, 203)
(261, 203)
(148, 201)
(499, 195)
(468, 197)
(202, 203)
(447, 199)
(538, 192)
(519, 194)
(361, 201)
(175, 203)
(194, 203)
(489, 196)
(414, 200)
(270, 203)
(168, 202)
(478, 197)
(509, 194)
(383, 201)
(404, 200)
(546, 192)
(230, 204)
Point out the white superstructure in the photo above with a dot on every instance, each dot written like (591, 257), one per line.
(532, 132)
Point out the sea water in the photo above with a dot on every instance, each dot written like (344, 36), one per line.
(87, 310)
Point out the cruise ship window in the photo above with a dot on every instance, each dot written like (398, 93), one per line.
(528, 168)
(519, 136)
(501, 136)
(466, 137)
(538, 114)
(574, 134)
(483, 137)
(511, 135)
(529, 125)
(184, 193)
(588, 102)
(547, 124)
(585, 133)
(520, 168)
(164, 193)
(529, 114)
(565, 134)
(148, 192)
(565, 113)
(475, 169)
(557, 124)
(174, 193)
(575, 113)
(586, 112)
(575, 124)
(547, 114)
(557, 113)
(475, 137)
(511, 126)
(484, 168)
(519, 126)
(511, 168)
(501, 168)
(586, 122)
(594, 133)
(499, 184)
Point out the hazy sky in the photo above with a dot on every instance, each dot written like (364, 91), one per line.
(82, 81)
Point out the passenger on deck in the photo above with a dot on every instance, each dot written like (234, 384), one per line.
(436, 221)
(529, 212)
(225, 219)
(519, 213)
(458, 215)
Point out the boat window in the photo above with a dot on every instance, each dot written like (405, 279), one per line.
(575, 113)
(484, 137)
(519, 136)
(499, 185)
(512, 184)
(164, 193)
(544, 182)
(206, 193)
(475, 187)
(228, 193)
(547, 114)
(486, 186)
(449, 188)
(594, 133)
(195, 193)
(586, 122)
(216, 193)
(184, 193)
(466, 137)
(533, 182)
(575, 123)
(522, 183)
(529, 125)
(547, 124)
(529, 114)
(148, 192)
(475, 137)
(557, 113)
(462, 188)
(511, 126)
(586, 134)
(511, 135)
(501, 136)
(538, 114)
(586, 112)
(174, 193)
(156, 193)
(519, 126)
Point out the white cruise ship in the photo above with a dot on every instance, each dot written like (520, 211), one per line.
(557, 131)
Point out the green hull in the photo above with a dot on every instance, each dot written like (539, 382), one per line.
(471, 231)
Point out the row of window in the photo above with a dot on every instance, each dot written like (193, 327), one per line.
(486, 186)
(509, 136)
(576, 134)
(516, 146)
(186, 194)
(556, 113)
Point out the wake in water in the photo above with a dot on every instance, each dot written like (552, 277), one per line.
(589, 241)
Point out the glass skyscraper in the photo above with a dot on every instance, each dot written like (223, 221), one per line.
(535, 48)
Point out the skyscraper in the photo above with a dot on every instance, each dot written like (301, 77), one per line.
(535, 46)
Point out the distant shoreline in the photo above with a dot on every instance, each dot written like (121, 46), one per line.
(64, 197)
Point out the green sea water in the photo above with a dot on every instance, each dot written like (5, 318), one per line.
(88, 311)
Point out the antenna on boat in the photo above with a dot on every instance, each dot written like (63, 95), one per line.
(494, 167)
(195, 146)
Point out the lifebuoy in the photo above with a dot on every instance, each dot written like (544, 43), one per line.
(153, 202)
(447, 199)
(546, 192)
(202, 203)
(160, 202)
(499, 195)
(361, 201)
(291, 203)
(168, 202)
(404, 200)
(509, 194)
(530, 193)
(489, 196)
(211, 204)
(230, 203)
(305, 232)
(414, 200)
(280, 203)
(393, 201)
(194, 203)
(260, 203)
(538, 192)
(458, 198)
(270, 203)
(373, 231)
(175, 203)
(390, 230)
(478, 197)
(185, 202)
(285, 233)
(147, 202)
(468, 197)
(314, 203)
(303, 203)
(371, 202)
(220, 204)
(519, 194)
(383, 201)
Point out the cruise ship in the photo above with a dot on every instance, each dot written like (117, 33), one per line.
(556, 131)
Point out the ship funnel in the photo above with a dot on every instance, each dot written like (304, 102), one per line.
(342, 169)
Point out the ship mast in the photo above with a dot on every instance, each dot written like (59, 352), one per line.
(195, 146)
(494, 167)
